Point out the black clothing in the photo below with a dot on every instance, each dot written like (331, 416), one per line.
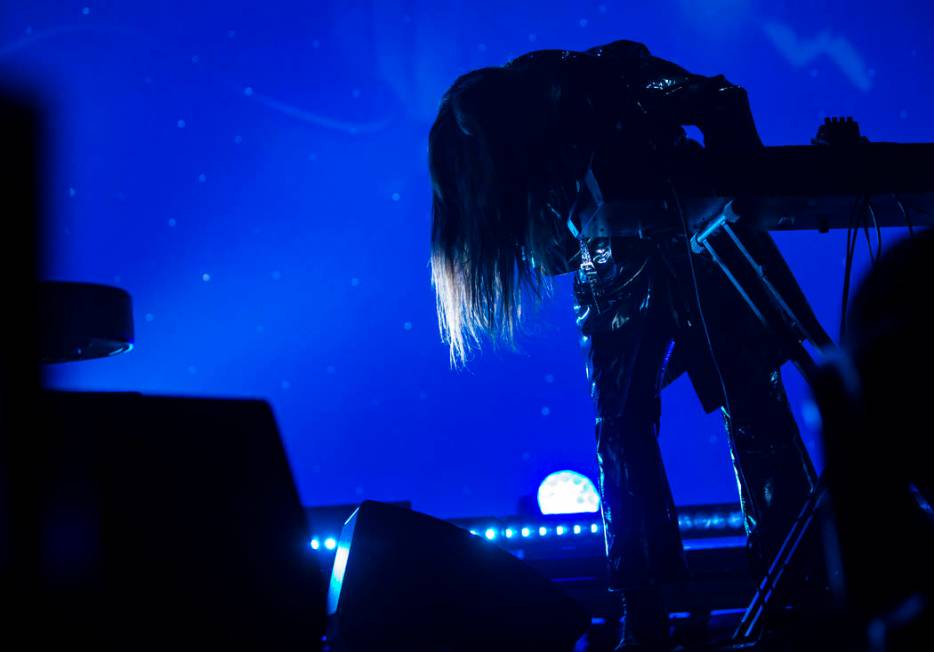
(648, 328)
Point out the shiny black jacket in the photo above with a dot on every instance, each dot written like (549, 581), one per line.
(618, 99)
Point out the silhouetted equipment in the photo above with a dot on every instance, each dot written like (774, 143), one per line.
(21, 127)
(81, 321)
(841, 182)
(826, 185)
(174, 523)
(406, 581)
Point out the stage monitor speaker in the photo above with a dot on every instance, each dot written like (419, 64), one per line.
(406, 581)
(173, 523)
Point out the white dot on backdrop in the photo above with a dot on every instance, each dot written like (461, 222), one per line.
(276, 275)
(316, 44)
(583, 22)
(150, 316)
(205, 277)
(192, 370)
(546, 411)
(72, 192)
(181, 124)
(172, 221)
(533, 38)
(481, 47)
(248, 91)
(85, 11)
(195, 58)
(202, 178)
(354, 282)
(407, 325)
(231, 33)
(286, 384)
(549, 378)
(238, 139)
(355, 93)
(330, 370)
(396, 196)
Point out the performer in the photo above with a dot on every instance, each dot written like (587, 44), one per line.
(507, 154)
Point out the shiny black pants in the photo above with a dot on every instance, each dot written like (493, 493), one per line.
(627, 366)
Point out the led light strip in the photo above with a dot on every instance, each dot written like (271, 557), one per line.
(686, 522)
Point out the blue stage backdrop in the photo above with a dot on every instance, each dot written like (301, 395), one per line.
(254, 174)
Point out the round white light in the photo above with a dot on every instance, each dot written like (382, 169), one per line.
(568, 492)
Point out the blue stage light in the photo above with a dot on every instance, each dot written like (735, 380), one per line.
(560, 530)
(315, 544)
(594, 528)
(542, 531)
(526, 532)
(330, 543)
(490, 534)
(577, 529)
(337, 573)
(509, 532)
(567, 492)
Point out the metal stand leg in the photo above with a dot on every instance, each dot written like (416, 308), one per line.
(772, 310)
(776, 314)
(751, 624)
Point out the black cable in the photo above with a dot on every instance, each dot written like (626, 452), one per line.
(846, 282)
(852, 235)
(898, 202)
(865, 226)
(878, 228)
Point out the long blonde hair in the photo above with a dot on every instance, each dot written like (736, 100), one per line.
(502, 177)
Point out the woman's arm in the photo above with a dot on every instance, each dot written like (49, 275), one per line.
(717, 107)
